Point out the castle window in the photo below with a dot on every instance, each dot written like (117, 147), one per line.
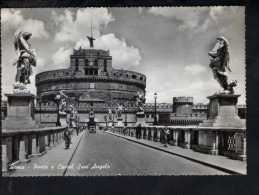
(91, 71)
(96, 62)
(96, 72)
(127, 75)
(76, 64)
(86, 62)
(86, 72)
(141, 78)
(134, 76)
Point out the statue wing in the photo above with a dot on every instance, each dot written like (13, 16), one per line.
(226, 59)
(16, 39)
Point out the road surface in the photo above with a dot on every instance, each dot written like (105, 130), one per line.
(107, 155)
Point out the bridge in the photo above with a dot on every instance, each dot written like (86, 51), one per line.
(191, 150)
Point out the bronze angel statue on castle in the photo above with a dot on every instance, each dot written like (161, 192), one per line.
(219, 63)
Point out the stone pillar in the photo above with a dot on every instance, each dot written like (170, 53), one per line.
(240, 149)
(119, 122)
(141, 119)
(134, 132)
(56, 138)
(47, 140)
(23, 150)
(176, 134)
(35, 145)
(223, 112)
(41, 143)
(214, 150)
(60, 136)
(51, 140)
(144, 133)
(5, 159)
(187, 140)
(20, 113)
(158, 135)
(243, 156)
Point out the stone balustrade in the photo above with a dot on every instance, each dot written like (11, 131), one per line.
(19, 146)
(229, 142)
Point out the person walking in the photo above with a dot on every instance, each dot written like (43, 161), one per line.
(138, 131)
(166, 133)
(124, 130)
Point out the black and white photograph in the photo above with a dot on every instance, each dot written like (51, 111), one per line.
(123, 91)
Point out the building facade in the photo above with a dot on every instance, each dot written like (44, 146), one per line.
(91, 83)
(186, 113)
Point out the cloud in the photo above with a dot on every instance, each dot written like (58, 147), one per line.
(61, 58)
(13, 19)
(74, 26)
(123, 55)
(140, 10)
(189, 17)
(40, 66)
(194, 69)
(215, 12)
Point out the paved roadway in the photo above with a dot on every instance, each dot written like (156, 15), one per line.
(103, 154)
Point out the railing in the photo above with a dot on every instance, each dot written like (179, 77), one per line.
(19, 146)
(229, 142)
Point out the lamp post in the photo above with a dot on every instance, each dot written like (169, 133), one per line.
(155, 118)
(39, 101)
(57, 98)
(126, 124)
(105, 118)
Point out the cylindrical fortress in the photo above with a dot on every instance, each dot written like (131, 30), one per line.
(92, 79)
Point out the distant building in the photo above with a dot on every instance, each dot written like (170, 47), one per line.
(185, 113)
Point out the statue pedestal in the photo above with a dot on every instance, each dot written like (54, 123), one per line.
(20, 111)
(141, 120)
(110, 123)
(63, 119)
(119, 122)
(223, 112)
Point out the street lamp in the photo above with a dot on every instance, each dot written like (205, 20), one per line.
(39, 102)
(155, 118)
(126, 124)
(57, 98)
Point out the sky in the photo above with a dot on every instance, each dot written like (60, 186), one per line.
(169, 45)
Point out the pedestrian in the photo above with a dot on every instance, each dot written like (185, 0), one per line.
(138, 131)
(166, 133)
(113, 129)
(124, 130)
(67, 138)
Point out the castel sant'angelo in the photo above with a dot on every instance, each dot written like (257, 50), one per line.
(91, 81)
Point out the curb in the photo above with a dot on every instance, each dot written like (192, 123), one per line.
(73, 153)
(226, 170)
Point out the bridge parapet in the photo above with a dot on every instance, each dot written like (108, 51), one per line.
(230, 142)
(19, 146)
